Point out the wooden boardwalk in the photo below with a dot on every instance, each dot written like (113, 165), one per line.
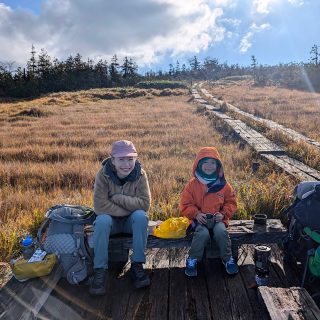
(264, 147)
(292, 134)
(24, 300)
(212, 295)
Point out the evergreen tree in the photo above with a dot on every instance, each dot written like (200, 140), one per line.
(315, 54)
(44, 64)
(114, 71)
(194, 64)
(177, 68)
(171, 69)
(32, 63)
(254, 68)
(183, 69)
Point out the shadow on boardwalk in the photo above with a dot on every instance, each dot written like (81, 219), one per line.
(212, 295)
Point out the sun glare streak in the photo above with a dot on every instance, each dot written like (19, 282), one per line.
(309, 84)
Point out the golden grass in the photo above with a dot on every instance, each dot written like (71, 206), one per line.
(294, 109)
(53, 158)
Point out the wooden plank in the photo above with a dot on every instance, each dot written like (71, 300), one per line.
(198, 298)
(75, 302)
(217, 290)
(155, 300)
(288, 303)
(304, 168)
(288, 276)
(247, 272)
(24, 300)
(178, 296)
(286, 166)
(239, 299)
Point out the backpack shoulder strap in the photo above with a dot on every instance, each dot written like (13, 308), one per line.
(78, 232)
(41, 230)
(312, 234)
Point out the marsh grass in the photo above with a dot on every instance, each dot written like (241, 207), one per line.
(53, 159)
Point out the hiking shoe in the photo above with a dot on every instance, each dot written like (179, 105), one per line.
(231, 266)
(191, 267)
(98, 284)
(139, 277)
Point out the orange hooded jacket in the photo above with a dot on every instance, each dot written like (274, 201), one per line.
(197, 197)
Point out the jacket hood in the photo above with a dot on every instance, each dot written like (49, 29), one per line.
(110, 171)
(211, 152)
(208, 152)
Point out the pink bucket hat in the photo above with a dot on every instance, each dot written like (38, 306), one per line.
(123, 148)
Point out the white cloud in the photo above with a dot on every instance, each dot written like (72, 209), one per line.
(225, 3)
(262, 6)
(143, 29)
(265, 7)
(246, 41)
(296, 3)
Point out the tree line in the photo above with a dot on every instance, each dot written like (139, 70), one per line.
(44, 74)
(303, 75)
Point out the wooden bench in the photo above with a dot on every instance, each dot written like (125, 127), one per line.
(24, 300)
(288, 303)
(240, 231)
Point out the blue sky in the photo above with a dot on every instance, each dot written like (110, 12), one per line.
(158, 32)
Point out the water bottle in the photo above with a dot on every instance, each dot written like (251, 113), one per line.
(27, 247)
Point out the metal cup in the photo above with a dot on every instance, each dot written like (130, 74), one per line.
(210, 221)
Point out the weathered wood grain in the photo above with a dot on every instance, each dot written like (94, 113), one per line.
(178, 295)
(289, 303)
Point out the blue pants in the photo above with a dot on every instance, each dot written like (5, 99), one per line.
(105, 225)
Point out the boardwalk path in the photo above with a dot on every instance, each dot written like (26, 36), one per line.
(292, 134)
(264, 147)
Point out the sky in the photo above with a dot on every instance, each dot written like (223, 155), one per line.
(156, 33)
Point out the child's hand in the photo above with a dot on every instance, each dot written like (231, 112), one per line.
(201, 218)
(218, 217)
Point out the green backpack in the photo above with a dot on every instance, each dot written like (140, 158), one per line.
(314, 260)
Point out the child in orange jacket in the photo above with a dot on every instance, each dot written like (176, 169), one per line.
(208, 194)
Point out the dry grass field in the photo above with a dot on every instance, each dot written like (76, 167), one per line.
(294, 109)
(51, 149)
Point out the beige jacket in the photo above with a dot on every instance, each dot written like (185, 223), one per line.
(117, 200)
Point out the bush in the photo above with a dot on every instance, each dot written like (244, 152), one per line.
(164, 84)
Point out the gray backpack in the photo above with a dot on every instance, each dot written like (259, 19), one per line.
(63, 233)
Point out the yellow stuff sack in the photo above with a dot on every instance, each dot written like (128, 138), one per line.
(23, 270)
(172, 228)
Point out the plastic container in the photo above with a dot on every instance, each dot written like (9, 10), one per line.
(260, 219)
(27, 247)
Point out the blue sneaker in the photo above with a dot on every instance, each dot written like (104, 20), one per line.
(191, 267)
(231, 266)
